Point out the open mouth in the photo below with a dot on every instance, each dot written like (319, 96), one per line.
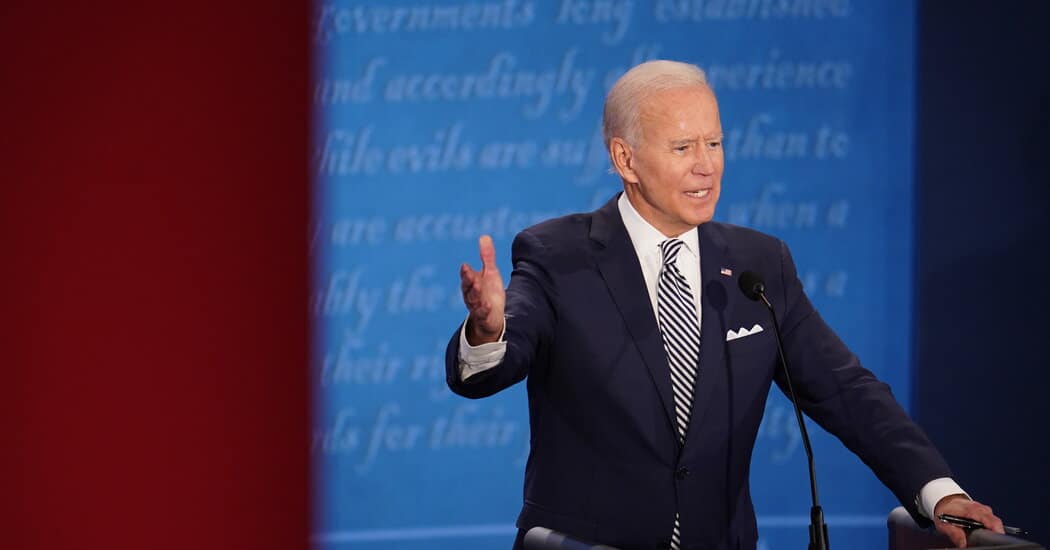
(698, 194)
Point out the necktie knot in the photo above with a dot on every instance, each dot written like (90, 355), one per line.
(669, 249)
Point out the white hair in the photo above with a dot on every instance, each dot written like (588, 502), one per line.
(623, 104)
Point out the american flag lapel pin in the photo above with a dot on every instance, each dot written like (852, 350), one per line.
(727, 272)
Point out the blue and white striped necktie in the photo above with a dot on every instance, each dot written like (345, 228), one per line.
(680, 326)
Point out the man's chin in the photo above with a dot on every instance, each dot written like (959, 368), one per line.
(702, 217)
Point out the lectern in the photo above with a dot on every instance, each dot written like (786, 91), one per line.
(905, 534)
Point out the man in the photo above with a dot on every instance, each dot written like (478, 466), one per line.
(643, 409)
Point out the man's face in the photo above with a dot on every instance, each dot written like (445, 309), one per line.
(674, 173)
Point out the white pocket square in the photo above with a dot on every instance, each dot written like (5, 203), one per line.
(736, 334)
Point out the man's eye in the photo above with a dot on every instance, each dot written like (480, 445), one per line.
(682, 148)
(714, 144)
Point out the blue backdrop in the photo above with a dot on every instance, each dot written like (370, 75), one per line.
(436, 122)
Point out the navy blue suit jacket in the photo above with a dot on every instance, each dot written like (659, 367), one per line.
(605, 464)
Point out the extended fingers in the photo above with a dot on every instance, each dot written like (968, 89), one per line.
(482, 290)
(487, 250)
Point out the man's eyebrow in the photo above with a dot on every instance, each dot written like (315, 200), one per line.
(685, 141)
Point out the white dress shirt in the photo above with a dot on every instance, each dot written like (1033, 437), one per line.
(646, 240)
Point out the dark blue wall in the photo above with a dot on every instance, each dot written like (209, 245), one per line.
(981, 345)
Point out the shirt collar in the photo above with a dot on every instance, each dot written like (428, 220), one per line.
(646, 238)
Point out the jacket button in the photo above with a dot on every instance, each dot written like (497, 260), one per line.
(682, 473)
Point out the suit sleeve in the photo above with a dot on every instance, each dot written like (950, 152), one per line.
(530, 316)
(848, 401)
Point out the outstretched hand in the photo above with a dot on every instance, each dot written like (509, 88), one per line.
(483, 295)
(959, 505)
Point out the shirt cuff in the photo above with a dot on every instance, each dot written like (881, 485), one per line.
(475, 359)
(933, 492)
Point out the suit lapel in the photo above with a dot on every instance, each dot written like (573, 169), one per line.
(713, 299)
(619, 267)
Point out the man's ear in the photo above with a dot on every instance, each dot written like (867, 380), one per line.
(623, 159)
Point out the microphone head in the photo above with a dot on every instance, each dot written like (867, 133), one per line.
(751, 285)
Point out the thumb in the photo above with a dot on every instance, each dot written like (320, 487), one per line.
(488, 254)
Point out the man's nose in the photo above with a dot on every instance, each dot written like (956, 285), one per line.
(704, 161)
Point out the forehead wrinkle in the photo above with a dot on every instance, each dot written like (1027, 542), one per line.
(664, 113)
(656, 117)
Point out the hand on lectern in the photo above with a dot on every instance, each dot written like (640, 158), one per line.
(959, 505)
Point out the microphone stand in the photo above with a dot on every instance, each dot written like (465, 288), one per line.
(818, 530)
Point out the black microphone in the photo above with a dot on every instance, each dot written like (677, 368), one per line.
(754, 288)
